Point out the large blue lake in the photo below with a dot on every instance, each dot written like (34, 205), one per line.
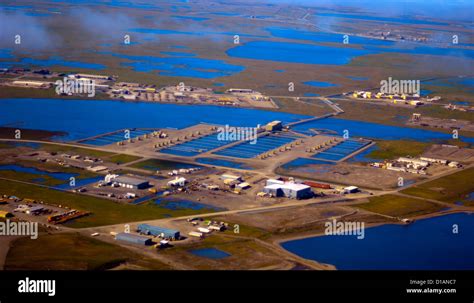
(406, 20)
(375, 131)
(289, 33)
(327, 49)
(296, 52)
(187, 66)
(85, 118)
(51, 61)
(179, 64)
(428, 244)
(338, 54)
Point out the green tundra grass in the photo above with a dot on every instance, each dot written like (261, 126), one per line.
(399, 206)
(104, 211)
(452, 188)
(72, 251)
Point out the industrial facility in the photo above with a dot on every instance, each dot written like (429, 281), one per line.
(127, 182)
(33, 84)
(133, 239)
(274, 126)
(157, 231)
(277, 188)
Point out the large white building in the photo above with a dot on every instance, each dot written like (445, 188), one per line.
(90, 76)
(127, 182)
(178, 182)
(278, 188)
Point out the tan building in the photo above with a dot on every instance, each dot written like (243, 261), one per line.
(274, 126)
(33, 84)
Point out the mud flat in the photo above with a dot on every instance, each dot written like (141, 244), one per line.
(28, 134)
(348, 174)
(444, 123)
(452, 153)
(300, 221)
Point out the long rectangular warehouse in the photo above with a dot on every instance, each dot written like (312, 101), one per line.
(134, 239)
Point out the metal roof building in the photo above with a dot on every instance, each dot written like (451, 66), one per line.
(130, 182)
(158, 231)
(133, 239)
(274, 126)
(351, 189)
(289, 190)
(231, 177)
(178, 182)
(273, 181)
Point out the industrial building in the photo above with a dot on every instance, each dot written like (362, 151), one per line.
(133, 239)
(351, 189)
(231, 182)
(34, 84)
(286, 189)
(454, 164)
(158, 231)
(243, 185)
(178, 182)
(127, 182)
(416, 164)
(90, 76)
(129, 97)
(274, 181)
(97, 168)
(317, 185)
(231, 177)
(240, 91)
(433, 160)
(274, 126)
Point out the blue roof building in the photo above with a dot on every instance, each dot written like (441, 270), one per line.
(133, 239)
(158, 231)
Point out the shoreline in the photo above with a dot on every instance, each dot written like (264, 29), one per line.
(280, 240)
(275, 110)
